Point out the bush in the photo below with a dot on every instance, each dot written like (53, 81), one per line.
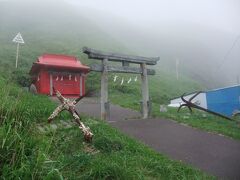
(109, 170)
(21, 78)
(107, 145)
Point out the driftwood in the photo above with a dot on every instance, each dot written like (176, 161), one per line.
(69, 105)
(189, 104)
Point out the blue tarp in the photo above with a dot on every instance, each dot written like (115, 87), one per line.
(224, 101)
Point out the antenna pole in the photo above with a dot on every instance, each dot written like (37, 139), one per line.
(177, 65)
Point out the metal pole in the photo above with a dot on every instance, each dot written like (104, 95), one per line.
(17, 55)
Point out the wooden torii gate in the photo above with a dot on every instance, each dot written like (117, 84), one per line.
(104, 68)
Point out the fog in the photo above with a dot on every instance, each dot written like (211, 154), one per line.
(220, 14)
(203, 35)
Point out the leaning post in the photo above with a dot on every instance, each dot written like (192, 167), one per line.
(104, 91)
(145, 92)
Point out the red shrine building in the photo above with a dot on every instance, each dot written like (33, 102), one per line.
(63, 73)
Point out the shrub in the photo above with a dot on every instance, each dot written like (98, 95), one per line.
(21, 78)
(107, 145)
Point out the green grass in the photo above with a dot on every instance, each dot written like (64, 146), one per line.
(202, 120)
(162, 88)
(26, 153)
(197, 119)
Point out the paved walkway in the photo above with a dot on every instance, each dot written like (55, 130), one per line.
(215, 154)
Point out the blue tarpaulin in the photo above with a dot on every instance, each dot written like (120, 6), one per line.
(224, 101)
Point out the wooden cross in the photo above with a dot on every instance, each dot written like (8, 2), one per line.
(67, 104)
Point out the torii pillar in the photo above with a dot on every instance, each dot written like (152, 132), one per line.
(104, 91)
(145, 91)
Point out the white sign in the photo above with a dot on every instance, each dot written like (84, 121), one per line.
(115, 78)
(18, 39)
(135, 78)
(122, 81)
(129, 80)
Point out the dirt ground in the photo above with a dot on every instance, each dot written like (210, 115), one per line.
(212, 153)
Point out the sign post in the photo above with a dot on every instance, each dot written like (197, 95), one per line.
(19, 40)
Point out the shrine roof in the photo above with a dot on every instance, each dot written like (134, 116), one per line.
(58, 61)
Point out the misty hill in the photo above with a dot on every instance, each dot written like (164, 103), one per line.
(204, 52)
(57, 27)
(50, 22)
(47, 24)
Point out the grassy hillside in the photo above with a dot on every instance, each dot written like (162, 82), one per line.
(65, 31)
(28, 153)
(62, 30)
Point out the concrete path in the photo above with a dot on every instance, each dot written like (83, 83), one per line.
(91, 107)
(215, 154)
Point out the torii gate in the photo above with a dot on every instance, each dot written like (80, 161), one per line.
(104, 68)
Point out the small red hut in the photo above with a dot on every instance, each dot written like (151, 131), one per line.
(65, 73)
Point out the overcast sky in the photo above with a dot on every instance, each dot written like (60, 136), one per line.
(221, 14)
